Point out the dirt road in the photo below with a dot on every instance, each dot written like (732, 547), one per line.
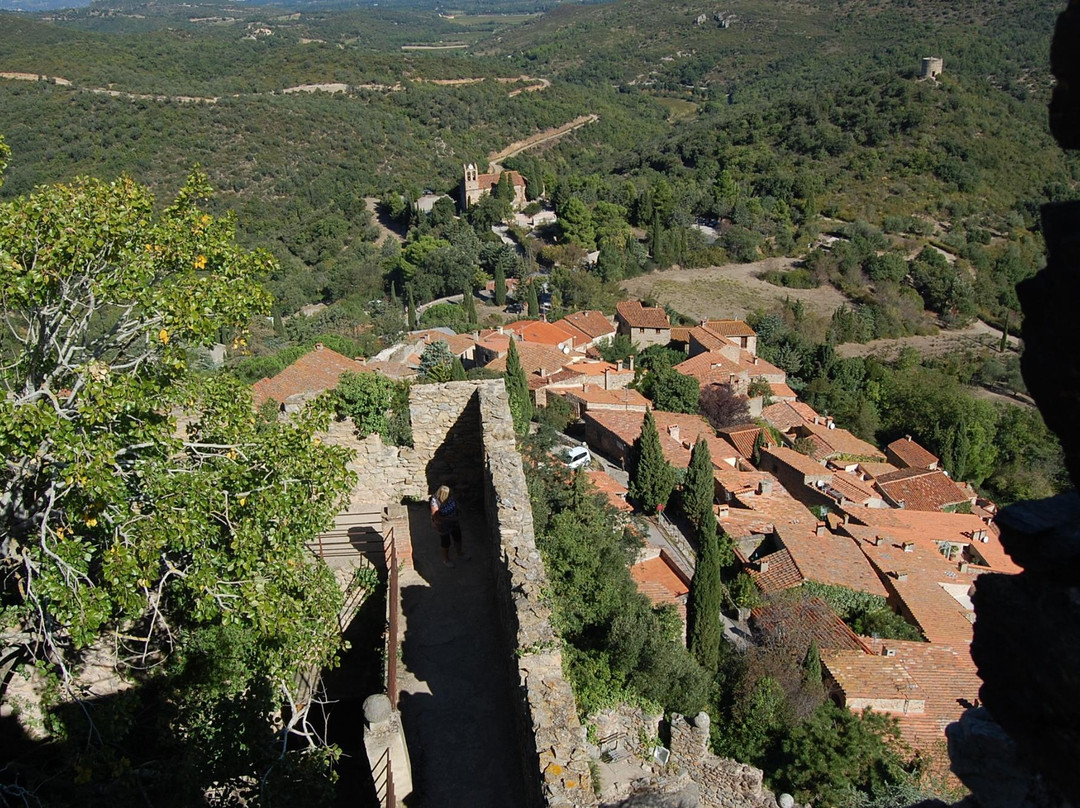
(517, 147)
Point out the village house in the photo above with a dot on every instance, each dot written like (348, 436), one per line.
(613, 433)
(644, 326)
(576, 376)
(315, 372)
(713, 335)
(588, 398)
(541, 333)
(660, 579)
(921, 489)
(475, 185)
(907, 454)
(587, 327)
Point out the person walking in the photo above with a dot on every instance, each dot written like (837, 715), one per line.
(445, 518)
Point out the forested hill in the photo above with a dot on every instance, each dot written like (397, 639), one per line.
(763, 115)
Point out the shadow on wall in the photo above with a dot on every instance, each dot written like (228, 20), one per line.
(459, 460)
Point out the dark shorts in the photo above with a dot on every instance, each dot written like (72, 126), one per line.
(446, 531)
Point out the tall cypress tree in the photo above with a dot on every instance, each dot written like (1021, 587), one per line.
(470, 307)
(534, 304)
(517, 389)
(656, 237)
(412, 311)
(703, 631)
(698, 489)
(500, 285)
(457, 370)
(651, 477)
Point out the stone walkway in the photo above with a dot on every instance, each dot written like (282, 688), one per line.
(455, 689)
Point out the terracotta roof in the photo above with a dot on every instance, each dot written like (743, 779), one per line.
(926, 587)
(315, 371)
(730, 328)
(830, 559)
(875, 470)
(786, 415)
(798, 620)
(576, 335)
(796, 460)
(593, 368)
(606, 484)
(782, 391)
(743, 437)
(495, 342)
(756, 366)
(735, 481)
(911, 454)
(680, 333)
(707, 339)
(758, 512)
(539, 332)
(534, 357)
(637, 316)
(592, 323)
(627, 426)
(590, 394)
(775, 572)
(921, 489)
(852, 487)
(860, 675)
(488, 181)
(712, 367)
(660, 583)
(931, 528)
(948, 678)
(841, 442)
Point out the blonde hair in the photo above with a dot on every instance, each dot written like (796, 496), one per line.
(443, 493)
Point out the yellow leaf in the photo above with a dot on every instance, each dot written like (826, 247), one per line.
(163, 335)
(91, 522)
(200, 261)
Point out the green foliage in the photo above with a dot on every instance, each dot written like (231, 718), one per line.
(837, 750)
(375, 404)
(672, 391)
(616, 349)
(533, 303)
(557, 414)
(698, 487)
(517, 390)
(436, 362)
(500, 285)
(617, 648)
(868, 615)
(457, 371)
(703, 628)
(652, 478)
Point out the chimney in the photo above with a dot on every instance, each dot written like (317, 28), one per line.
(319, 346)
(908, 547)
(979, 535)
(819, 529)
(723, 511)
(879, 541)
(731, 378)
(618, 366)
(764, 486)
(900, 575)
(763, 566)
(907, 438)
(500, 329)
(755, 361)
(962, 566)
(846, 518)
(673, 432)
(886, 651)
(631, 360)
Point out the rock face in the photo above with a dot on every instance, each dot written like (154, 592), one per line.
(1027, 629)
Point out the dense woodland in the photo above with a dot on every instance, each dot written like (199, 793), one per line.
(796, 128)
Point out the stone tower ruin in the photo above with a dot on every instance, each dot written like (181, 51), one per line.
(932, 67)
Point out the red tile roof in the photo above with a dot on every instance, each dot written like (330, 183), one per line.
(591, 394)
(592, 323)
(707, 339)
(830, 559)
(661, 583)
(627, 426)
(712, 367)
(782, 392)
(313, 372)
(852, 487)
(743, 437)
(730, 328)
(537, 331)
(911, 454)
(921, 489)
(841, 442)
(795, 460)
(486, 182)
(786, 415)
(606, 484)
(796, 621)
(534, 357)
(775, 572)
(680, 333)
(635, 315)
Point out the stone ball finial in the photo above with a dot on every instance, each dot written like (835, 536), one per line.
(701, 720)
(377, 709)
(787, 801)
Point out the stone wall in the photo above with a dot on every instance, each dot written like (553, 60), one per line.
(555, 758)
(721, 782)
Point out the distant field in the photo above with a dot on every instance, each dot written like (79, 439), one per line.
(448, 46)
(500, 19)
(677, 107)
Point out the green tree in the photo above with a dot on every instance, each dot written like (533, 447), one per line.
(576, 224)
(436, 362)
(500, 285)
(469, 304)
(412, 310)
(517, 390)
(703, 629)
(672, 391)
(117, 523)
(836, 750)
(652, 478)
(367, 399)
(698, 488)
(533, 303)
(457, 371)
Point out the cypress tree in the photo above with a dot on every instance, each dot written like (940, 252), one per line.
(698, 489)
(395, 304)
(651, 476)
(412, 311)
(760, 442)
(457, 370)
(500, 285)
(534, 304)
(470, 307)
(517, 389)
(812, 665)
(703, 631)
(656, 237)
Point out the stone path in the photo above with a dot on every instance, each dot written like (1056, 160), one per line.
(455, 689)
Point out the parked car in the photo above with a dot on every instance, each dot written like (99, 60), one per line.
(515, 308)
(576, 457)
